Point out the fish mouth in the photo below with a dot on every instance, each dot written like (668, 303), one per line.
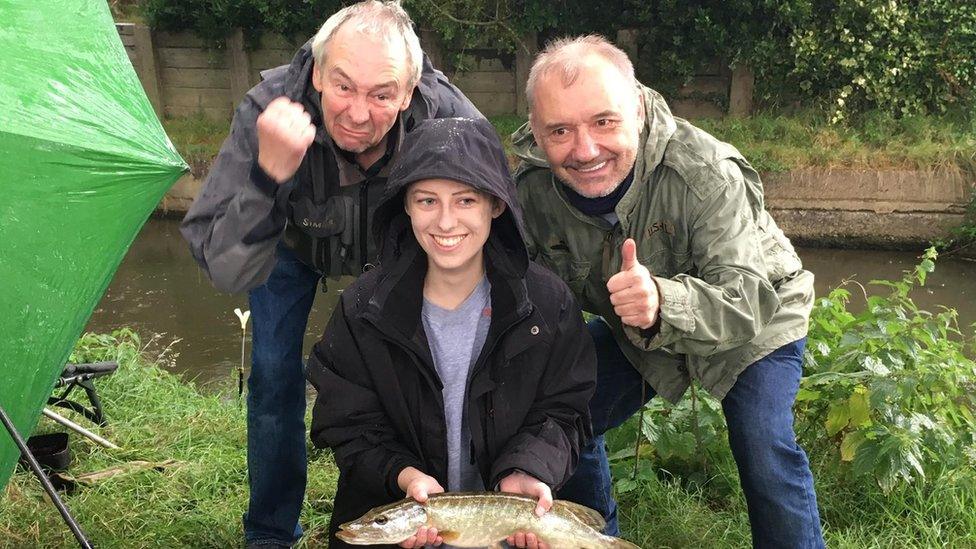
(346, 536)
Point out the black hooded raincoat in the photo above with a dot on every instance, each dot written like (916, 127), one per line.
(379, 404)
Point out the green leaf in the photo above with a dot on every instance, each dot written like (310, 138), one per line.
(838, 416)
(850, 444)
(806, 394)
(625, 485)
(859, 408)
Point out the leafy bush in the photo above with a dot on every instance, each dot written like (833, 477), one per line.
(899, 57)
(888, 396)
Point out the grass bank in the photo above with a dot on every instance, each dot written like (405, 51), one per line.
(772, 141)
(154, 416)
(197, 501)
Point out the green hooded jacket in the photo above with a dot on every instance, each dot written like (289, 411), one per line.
(732, 288)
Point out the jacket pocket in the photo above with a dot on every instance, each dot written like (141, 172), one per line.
(571, 270)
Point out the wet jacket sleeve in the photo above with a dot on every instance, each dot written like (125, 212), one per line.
(557, 425)
(730, 299)
(348, 416)
(239, 216)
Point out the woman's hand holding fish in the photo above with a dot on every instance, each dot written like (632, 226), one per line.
(527, 485)
(419, 487)
(424, 536)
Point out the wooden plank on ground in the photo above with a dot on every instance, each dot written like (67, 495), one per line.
(196, 78)
(695, 108)
(497, 82)
(192, 58)
(491, 104)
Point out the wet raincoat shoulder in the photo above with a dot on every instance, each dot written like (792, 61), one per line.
(240, 214)
(732, 287)
(379, 404)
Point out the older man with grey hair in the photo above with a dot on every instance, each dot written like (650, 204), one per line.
(288, 202)
(660, 229)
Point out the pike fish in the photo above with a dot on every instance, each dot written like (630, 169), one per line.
(482, 519)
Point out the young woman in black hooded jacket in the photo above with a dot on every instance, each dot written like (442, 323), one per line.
(457, 363)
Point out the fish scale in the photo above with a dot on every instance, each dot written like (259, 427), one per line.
(482, 519)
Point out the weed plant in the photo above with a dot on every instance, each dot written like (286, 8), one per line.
(885, 412)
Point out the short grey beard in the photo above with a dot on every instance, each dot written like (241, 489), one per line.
(598, 195)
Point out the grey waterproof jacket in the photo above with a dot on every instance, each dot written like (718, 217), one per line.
(732, 287)
(241, 214)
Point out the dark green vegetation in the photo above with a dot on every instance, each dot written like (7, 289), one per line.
(885, 412)
(848, 57)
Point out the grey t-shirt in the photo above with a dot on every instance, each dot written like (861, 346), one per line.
(456, 338)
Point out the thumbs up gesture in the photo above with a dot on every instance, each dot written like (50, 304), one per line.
(285, 131)
(633, 292)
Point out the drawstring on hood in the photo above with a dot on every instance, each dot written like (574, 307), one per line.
(459, 149)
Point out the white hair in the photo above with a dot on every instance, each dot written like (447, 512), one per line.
(567, 56)
(386, 20)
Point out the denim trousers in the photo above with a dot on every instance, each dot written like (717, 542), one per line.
(773, 469)
(276, 457)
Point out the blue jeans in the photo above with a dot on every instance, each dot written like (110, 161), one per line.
(773, 469)
(276, 460)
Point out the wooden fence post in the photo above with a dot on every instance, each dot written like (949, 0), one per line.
(240, 67)
(741, 90)
(148, 68)
(431, 43)
(524, 55)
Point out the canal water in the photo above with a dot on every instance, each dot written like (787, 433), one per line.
(159, 289)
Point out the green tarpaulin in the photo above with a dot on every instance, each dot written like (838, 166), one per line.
(83, 162)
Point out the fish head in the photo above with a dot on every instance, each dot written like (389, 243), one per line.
(384, 525)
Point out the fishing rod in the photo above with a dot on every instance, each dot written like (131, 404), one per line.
(45, 482)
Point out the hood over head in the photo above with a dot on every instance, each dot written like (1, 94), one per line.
(460, 149)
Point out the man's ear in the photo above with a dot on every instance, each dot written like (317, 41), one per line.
(317, 78)
(406, 98)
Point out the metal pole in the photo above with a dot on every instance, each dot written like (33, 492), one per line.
(48, 413)
(45, 482)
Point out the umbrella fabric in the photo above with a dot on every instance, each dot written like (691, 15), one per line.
(83, 162)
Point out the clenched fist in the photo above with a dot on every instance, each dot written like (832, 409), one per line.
(285, 132)
(633, 292)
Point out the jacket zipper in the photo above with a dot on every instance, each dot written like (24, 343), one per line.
(363, 195)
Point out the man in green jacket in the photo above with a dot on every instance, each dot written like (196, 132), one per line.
(660, 229)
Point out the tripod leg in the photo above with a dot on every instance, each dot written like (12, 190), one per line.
(45, 482)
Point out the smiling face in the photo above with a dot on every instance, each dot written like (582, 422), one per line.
(364, 86)
(589, 130)
(451, 221)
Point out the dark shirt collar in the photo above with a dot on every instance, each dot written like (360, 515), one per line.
(391, 145)
(600, 205)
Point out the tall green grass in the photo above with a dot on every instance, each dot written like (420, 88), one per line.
(155, 416)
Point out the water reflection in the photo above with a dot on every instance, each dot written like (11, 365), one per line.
(159, 289)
